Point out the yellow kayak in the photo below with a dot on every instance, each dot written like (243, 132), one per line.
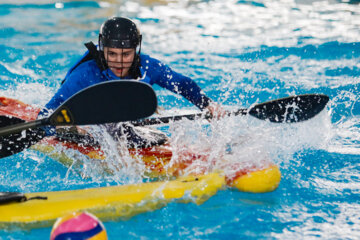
(43, 208)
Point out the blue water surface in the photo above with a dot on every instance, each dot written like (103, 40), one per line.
(240, 53)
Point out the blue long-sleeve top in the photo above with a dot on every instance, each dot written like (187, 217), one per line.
(152, 70)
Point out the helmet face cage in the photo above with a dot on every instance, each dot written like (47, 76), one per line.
(127, 66)
(120, 33)
(120, 62)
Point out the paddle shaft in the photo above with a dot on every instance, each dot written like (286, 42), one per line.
(164, 120)
(284, 110)
(23, 126)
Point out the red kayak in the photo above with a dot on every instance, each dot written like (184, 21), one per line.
(157, 159)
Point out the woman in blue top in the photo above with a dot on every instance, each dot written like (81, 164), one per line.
(119, 56)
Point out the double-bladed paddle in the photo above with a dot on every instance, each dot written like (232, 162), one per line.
(113, 101)
(284, 110)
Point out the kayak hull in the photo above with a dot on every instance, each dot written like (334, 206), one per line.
(157, 161)
(260, 181)
(109, 202)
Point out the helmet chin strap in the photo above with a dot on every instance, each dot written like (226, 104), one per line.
(139, 45)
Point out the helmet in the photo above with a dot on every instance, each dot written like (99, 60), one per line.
(78, 225)
(119, 32)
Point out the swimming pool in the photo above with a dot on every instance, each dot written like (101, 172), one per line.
(240, 53)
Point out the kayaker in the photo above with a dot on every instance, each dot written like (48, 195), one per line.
(118, 56)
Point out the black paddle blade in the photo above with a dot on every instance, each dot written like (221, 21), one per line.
(290, 109)
(17, 142)
(113, 101)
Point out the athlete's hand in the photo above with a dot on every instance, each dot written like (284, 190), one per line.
(159, 110)
(76, 134)
(73, 129)
(216, 110)
(82, 130)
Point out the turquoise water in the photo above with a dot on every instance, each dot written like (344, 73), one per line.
(240, 53)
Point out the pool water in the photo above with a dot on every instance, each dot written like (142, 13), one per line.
(240, 53)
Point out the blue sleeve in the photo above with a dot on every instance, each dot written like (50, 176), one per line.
(84, 76)
(61, 95)
(165, 77)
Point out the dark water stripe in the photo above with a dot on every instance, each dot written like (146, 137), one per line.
(251, 3)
